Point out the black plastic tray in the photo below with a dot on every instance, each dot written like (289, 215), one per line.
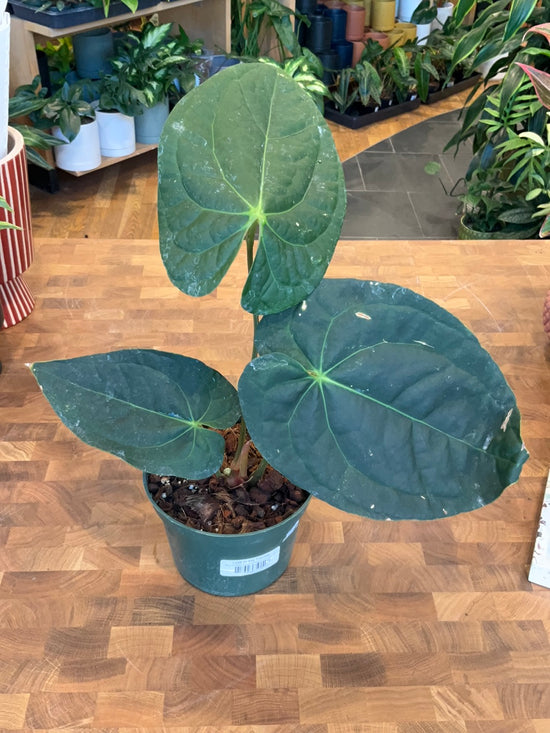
(354, 122)
(457, 87)
(79, 15)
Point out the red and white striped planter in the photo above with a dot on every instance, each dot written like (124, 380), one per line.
(16, 248)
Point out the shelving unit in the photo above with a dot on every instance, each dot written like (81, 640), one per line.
(206, 19)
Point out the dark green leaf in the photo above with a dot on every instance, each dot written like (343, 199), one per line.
(231, 155)
(153, 409)
(520, 10)
(381, 403)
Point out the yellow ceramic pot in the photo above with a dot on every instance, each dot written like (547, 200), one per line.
(407, 29)
(383, 15)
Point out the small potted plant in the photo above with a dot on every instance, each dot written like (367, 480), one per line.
(73, 122)
(118, 104)
(501, 176)
(379, 86)
(364, 394)
(154, 63)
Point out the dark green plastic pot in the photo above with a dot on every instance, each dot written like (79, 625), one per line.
(230, 565)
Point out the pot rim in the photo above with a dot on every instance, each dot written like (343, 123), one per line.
(15, 144)
(223, 537)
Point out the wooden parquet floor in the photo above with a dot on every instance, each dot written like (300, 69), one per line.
(374, 628)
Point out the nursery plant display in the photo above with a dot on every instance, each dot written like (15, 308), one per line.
(24, 107)
(364, 394)
(65, 13)
(503, 184)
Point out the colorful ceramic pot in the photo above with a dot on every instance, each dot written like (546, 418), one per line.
(16, 245)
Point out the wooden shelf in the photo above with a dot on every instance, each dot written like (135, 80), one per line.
(209, 20)
(106, 162)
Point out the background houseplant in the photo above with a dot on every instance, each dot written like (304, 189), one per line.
(497, 116)
(154, 63)
(73, 122)
(364, 394)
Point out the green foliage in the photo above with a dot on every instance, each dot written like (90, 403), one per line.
(282, 179)
(251, 25)
(5, 225)
(59, 54)
(306, 70)
(151, 62)
(118, 94)
(506, 180)
(424, 13)
(66, 109)
(67, 4)
(164, 408)
(365, 394)
(362, 354)
(25, 104)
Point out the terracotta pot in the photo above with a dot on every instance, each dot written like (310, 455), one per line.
(16, 252)
(355, 26)
(383, 15)
(358, 48)
(382, 38)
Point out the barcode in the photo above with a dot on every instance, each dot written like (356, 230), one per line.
(249, 565)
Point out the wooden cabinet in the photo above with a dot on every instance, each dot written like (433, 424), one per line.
(206, 19)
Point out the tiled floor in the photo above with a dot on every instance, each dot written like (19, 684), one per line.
(390, 196)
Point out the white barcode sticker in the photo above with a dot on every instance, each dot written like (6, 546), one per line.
(249, 565)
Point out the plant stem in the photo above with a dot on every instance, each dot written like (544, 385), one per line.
(249, 260)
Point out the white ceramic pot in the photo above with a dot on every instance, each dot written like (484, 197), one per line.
(444, 12)
(485, 68)
(422, 33)
(117, 134)
(82, 153)
(405, 9)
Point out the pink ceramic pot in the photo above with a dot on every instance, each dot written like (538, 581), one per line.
(16, 246)
(355, 27)
(358, 48)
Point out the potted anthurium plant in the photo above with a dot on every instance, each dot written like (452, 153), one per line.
(364, 394)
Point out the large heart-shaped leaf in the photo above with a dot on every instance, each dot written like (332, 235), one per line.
(381, 403)
(153, 409)
(249, 146)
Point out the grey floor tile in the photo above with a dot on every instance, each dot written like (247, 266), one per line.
(437, 215)
(384, 146)
(379, 215)
(352, 175)
(400, 172)
(390, 196)
(429, 136)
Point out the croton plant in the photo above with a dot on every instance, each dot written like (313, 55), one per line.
(365, 394)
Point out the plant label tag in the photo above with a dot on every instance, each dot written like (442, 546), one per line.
(249, 565)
